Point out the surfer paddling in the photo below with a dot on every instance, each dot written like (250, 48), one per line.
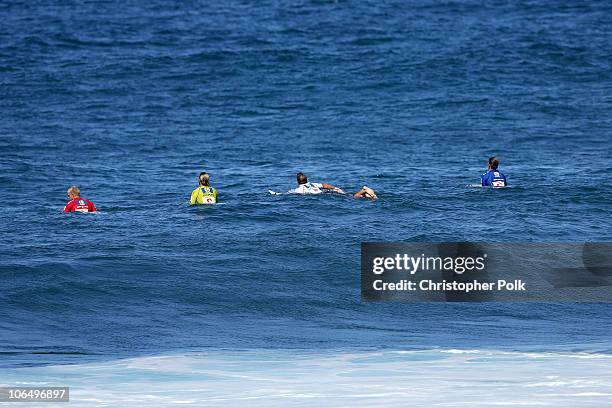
(306, 187)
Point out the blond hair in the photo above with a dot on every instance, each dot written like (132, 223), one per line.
(204, 178)
(74, 190)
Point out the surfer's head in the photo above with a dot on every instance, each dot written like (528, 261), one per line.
(491, 161)
(73, 192)
(494, 164)
(204, 179)
(301, 178)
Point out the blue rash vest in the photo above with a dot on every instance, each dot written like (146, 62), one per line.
(493, 178)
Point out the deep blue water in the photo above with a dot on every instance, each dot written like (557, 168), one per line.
(131, 100)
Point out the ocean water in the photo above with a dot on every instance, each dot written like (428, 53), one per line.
(131, 100)
(472, 378)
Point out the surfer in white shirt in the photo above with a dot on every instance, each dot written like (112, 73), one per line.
(305, 187)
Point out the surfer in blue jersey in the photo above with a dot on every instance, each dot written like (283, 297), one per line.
(493, 177)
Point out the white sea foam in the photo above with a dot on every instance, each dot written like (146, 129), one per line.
(452, 377)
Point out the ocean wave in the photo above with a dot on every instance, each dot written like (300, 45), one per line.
(281, 378)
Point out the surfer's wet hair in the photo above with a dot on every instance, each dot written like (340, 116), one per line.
(301, 178)
(491, 160)
(74, 190)
(204, 178)
(495, 164)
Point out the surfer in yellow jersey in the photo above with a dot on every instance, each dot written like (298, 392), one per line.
(204, 194)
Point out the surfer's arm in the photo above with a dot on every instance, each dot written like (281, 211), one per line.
(194, 197)
(333, 188)
(484, 179)
(69, 207)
